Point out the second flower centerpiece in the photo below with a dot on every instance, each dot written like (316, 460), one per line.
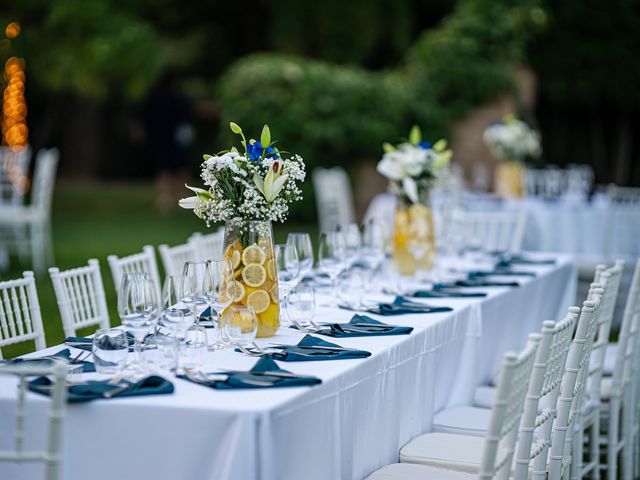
(412, 168)
(248, 189)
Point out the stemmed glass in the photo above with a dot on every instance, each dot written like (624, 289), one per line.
(241, 326)
(220, 290)
(304, 248)
(176, 317)
(288, 268)
(138, 308)
(331, 257)
(192, 288)
(352, 241)
(301, 307)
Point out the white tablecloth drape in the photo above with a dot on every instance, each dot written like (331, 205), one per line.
(345, 428)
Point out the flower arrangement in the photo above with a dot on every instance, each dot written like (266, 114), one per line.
(413, 166)
(513, 140)
(258, 184)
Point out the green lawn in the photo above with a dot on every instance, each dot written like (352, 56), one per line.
(96, 220)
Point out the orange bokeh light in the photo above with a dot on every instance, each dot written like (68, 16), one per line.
(12, 30)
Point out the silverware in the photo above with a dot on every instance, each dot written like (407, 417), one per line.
(116, 391)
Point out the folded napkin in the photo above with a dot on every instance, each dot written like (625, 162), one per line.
(474, 283)
(64, 355)
(259, 377)
(86, 343)
(310, 349)
(84, 392)
(402, 306)
(445, 293)
(363, 326)
(498, 271)
(507, 261)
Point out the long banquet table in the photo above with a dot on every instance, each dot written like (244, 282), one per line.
(344, 428)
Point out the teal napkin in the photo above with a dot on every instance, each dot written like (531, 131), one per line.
(498, 271)
(47, 362)
(258, 377)
(86, 343)
(445, 293)
(402, 306)
(507, 261)
(93, 390)
(309, 349)
(474, 283)
(363, 326)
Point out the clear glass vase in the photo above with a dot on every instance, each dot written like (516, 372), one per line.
(249, 247)
(414, 242)
(509, 179)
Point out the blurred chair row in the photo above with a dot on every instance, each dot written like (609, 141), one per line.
(80, 291)
(26, 228)
(567, 406)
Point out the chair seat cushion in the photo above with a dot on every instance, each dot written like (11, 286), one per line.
(463, 420)
(445, 450)
(484, 396)
(409, 471)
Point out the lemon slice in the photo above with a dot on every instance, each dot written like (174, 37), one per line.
(259, 300)
(253, 254)
(271, 269)
(235, 259)
(235, 290)
(254, 275)
(274, 293)
(264, 243)
(229, 251)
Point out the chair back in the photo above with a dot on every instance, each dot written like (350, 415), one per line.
(208, 246)
(20, 318)
(542, 396)
(44, 179)
(144, 262)
(174, 258)
(52, 455)
(623, 195)
(80, 296)
(334, 198)
(14, 170)
(501, 437)
(494, 231)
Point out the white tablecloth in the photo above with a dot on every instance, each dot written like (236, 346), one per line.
(345, 428)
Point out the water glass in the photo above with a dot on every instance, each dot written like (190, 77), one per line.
(331, 255)
(287, 266)
(352, 241)
(301, 306)
(304, 248)
(110, 350)
(177, 321)
(161, 352)
(191, 290)
(221, 289)
(193, 348)
(351, 287)
(241, 325)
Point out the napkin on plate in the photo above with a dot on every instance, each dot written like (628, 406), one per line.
(92, 390)
(309, 349)
(363, 326)
(402, 306)
(258, 377)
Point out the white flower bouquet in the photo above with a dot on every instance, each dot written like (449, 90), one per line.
(412, 166)
(258, 184)
(513, 140)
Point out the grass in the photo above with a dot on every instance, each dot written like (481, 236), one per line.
(97, 220)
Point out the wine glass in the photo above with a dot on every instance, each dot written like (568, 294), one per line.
(241, 325)
(302, 242)
(351, 287)
(331, 257)
(220, 290)
(288, 268)
(138, 308)
(192, 288)
(373, 244)
(352, 241)
(301, 306)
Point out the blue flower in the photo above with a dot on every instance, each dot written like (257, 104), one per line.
(425, 145)
(255, 151)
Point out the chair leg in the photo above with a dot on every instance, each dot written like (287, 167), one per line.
(627, 435)
(577, 452)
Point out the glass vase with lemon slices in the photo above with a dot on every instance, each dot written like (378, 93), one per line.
(414, 243)
(249, 249)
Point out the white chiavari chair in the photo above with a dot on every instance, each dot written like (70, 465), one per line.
(334, 198)
(589, 422)
(498, 447)
(174, 258)
(623, 195)
(80, 296)
(208, 246)
(14, 169)
(20, 318)
(493, 231)
(144, 261)
(52, 455)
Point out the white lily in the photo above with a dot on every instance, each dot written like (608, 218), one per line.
(192, 202)
(273, 181)
(410, 188)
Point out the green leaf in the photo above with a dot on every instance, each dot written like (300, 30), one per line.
(265, 137)
(414, 135)
(235, 128)
(207, 156)
(388, 148)
(440, 145)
